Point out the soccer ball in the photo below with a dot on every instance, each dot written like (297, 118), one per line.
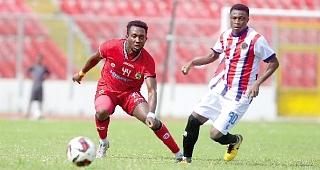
(81, 151)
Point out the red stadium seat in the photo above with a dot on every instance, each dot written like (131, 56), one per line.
(298, 4)
(285, 4)
(312, 4)
(186, 29)
(108, 8)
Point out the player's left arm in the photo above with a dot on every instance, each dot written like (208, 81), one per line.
(151, 120)
(151, 83)
(263, 51)
(272, 66)
(90, 63)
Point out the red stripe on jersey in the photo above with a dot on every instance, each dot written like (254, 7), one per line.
(221, 40)
(248, 65)
(220, 68)
(227, 51)
(234, 61)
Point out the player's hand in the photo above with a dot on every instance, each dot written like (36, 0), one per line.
(253, 91)
(150, 122)
(77, 78)
(186, 68)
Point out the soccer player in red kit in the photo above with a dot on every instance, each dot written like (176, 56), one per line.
(127, 65)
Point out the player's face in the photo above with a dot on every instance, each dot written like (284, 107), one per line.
(238, 21)
(136, 39)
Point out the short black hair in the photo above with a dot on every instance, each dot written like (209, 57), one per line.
(240, 7)
(137, 23)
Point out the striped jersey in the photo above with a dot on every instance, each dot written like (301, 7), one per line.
(239, 65)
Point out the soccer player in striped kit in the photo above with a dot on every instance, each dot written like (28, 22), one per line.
(127, 65)
(233, 86)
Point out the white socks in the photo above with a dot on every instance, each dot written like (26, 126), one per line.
(105, 141)
(179, 154)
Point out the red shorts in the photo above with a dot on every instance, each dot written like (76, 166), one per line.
(108, 100)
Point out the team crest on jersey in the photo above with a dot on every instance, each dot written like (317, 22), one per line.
(101, 92)
(138, 76)
(244, 46)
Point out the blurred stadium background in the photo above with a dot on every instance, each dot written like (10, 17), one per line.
(67, 32)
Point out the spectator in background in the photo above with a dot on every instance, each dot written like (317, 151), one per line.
(127, 66)
(233, 86)
(38, 73)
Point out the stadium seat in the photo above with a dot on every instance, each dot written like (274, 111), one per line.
(285, 4)
(213, 8)
(68, 8)
(8, 58)
(187, 29)
(109, 29)
(312, 4)
(155, 32)
(5, 29)
(86, 28)
(5, 71)
(273, 4)
(298, 4)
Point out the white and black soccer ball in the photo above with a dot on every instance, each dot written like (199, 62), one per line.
(81, 151)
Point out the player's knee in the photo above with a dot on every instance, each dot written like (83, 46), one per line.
(102, 114)
(193, 124)
(157, 125)
(215, 134)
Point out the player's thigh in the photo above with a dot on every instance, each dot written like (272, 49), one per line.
(133, 103)
(209, 106)
(104, 102)
(232, 111)
(140, 111)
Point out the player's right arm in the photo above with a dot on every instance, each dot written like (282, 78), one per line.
(91, 62)
(207, 59)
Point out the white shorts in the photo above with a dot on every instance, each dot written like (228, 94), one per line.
(223, 112)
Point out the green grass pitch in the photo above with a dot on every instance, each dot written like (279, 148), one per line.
(32, 145)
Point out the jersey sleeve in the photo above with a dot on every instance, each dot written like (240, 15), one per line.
(103, 49)
(150, 68)
(218, 46)
(263, 50)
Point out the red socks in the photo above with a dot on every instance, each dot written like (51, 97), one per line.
(102, 127)
(164, 135)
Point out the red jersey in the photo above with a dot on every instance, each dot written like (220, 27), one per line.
(122, 72)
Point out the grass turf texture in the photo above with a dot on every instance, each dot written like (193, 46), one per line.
(41, 145)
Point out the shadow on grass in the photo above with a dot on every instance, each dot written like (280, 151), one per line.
(274, 163)
(236, 162)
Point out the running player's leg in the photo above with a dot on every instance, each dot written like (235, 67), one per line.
(191, 134)
(104, 108)
(207, 108)
(159, 129)
(231, 112)
(136, 105)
